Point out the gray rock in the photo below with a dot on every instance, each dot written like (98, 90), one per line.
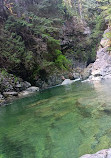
(68, 81)
(32, 89)
(24, 93)
(7, 94)
(76, 75)
(26, 84)
(20, 86)
(86, 72)
(106, 153)
(28, 91)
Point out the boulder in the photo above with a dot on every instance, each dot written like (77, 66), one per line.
(32, 89)
(8, 94)
(24, 93)
(106, 153)
(20, 86)
(29, 91)
(68, 81)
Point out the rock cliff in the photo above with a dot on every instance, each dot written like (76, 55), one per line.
(101, 68)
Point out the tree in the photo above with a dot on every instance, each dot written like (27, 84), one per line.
(80, 11)
(18, 8)
(106, 7)
(2, 11)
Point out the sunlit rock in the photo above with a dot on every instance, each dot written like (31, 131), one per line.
(68, 81)
(29, 91)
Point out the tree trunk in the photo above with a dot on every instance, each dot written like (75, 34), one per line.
(17, 8)
(2, 11)
(25, 4)
(80, 11)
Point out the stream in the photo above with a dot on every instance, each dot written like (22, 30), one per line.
(66, 121)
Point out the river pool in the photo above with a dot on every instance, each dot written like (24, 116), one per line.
(62, 122)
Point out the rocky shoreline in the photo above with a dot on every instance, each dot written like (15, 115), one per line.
(12, 87)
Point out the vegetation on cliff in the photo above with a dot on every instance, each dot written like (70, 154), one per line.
(36, 37)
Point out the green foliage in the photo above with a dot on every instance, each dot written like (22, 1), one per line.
(106, 9)
(99, 27)
(15, 79)
(53, 44)
(13, 48)
(22, 50)
(4, 72)
(61, 60)
(14, 24)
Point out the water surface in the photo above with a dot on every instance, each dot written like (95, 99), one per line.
(62, 122)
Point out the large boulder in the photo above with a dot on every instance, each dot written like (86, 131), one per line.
(68, 81)
(9, 94)
(32, 89)
(101, 154)
(28, 91)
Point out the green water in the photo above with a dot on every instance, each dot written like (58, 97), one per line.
(62, 122)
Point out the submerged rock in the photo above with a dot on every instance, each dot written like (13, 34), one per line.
(106, 153)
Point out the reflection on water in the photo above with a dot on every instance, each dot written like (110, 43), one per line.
(63, 122)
